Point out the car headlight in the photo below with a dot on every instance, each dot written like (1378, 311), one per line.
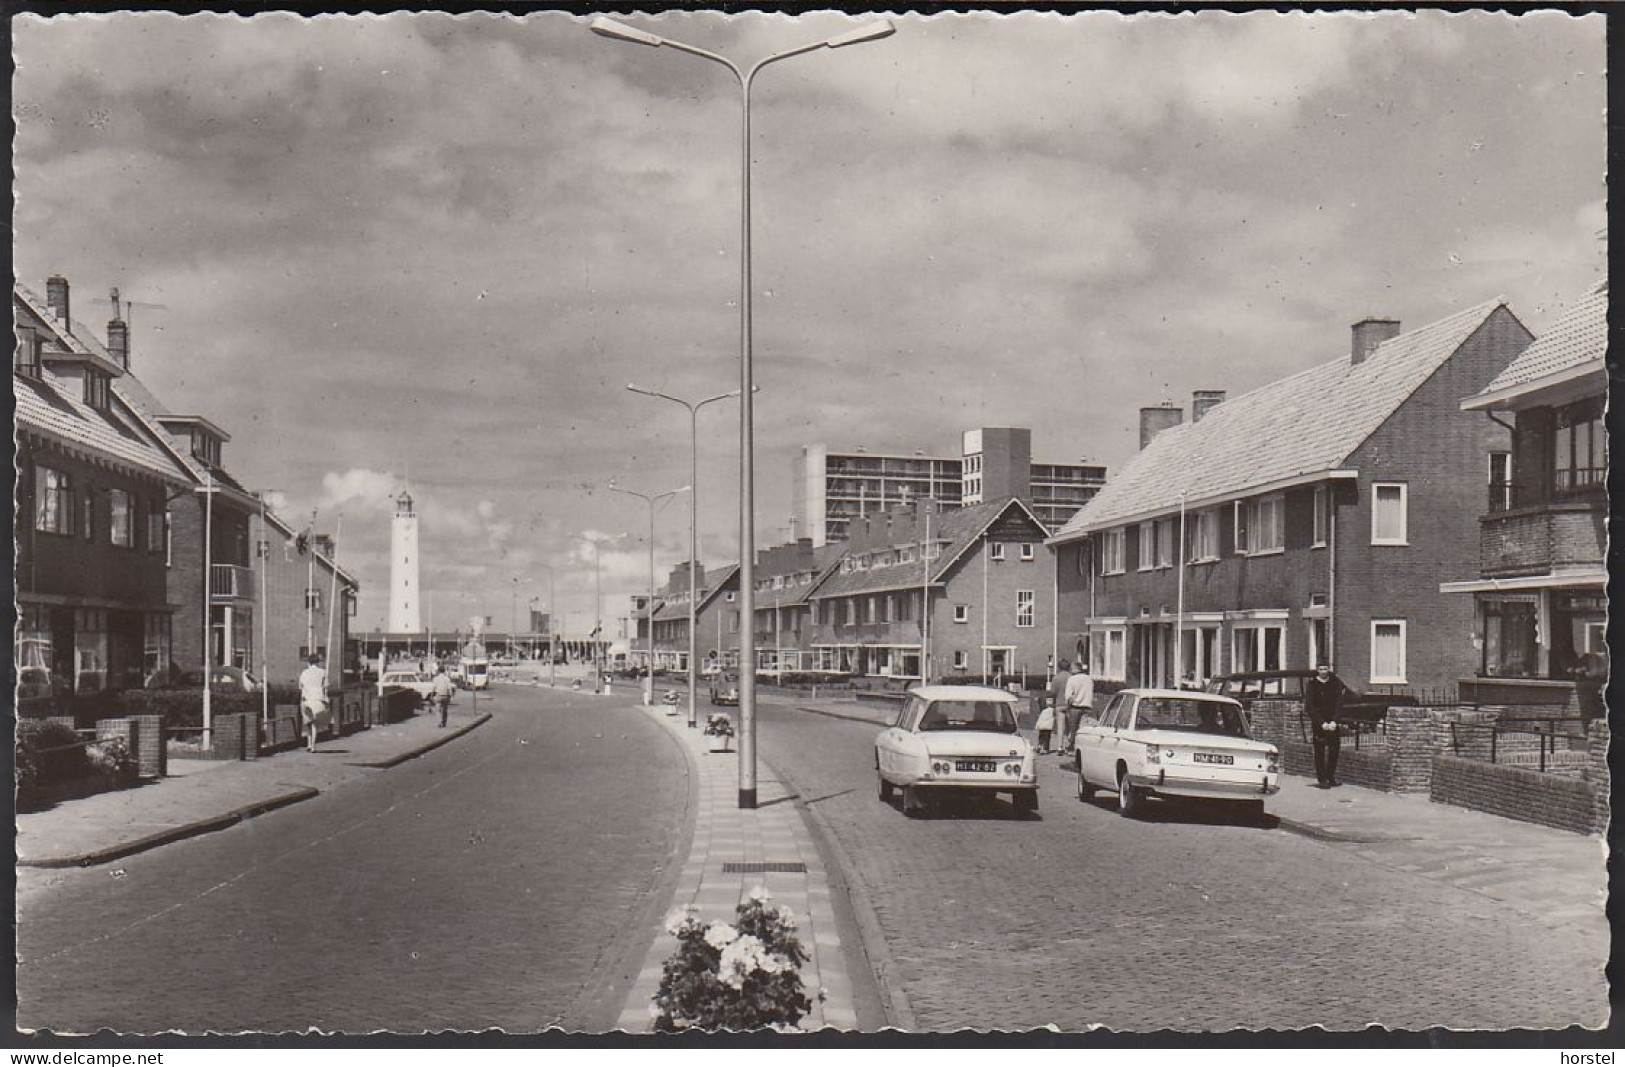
(1152, 755)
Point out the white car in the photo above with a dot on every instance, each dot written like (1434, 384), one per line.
(956, 738)
(1174, 743)
(421, 684)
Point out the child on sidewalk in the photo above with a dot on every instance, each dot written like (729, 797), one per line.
(1046, 726)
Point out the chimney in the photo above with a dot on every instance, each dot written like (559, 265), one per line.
(1204, 400)
(1155, 420)
(56, 295)
(118, 341)
(1368, 334)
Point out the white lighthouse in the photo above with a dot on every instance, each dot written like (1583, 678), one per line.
(404, 616)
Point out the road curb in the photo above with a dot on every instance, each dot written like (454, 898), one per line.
(839, 715)
(877, 957)
(177, 833)
(397, 760)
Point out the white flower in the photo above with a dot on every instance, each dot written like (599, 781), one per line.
(743, 958)
(720, 935)
(786, 917)
(654, 1011)
(759, 895)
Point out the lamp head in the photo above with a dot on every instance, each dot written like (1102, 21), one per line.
(619, 31)
(869, 31)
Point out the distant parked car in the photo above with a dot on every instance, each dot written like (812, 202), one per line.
(951, 738)
(221, 679)
(1248, 686)
(1174, 743)
(421, 684)
(725, 689)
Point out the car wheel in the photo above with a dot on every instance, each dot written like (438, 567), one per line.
(1130, 800)
(885, 786)
(1025, 801)
(1086, 792)
(913, 802)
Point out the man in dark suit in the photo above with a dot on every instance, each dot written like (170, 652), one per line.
(1321, 696)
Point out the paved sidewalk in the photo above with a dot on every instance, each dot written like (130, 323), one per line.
(1555, 876)
(776, 834)
(200, 796)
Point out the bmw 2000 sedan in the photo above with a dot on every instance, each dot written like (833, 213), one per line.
(1173, 743)
(951, 738)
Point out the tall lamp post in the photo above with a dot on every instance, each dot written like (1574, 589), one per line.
(552, 628)
(693, 525)
(598, 604)
(649, 608)
(869, 31)
(517, 582)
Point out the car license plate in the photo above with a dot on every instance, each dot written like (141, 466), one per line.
(976, 765)
(1214, 757)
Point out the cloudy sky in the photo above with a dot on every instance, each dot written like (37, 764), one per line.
(440, 247)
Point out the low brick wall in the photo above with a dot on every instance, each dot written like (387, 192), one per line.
(1514, 792)
(1371, 765)
(397, 705)
(151, 750)
(235, 736)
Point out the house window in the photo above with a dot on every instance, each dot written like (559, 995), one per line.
(729, 597)
(120, 520)
(1148, 545)
(1111, 551)
(96, 390)
(851, 612)
(1500, 481)
(1024, 608)
(1204, 537)
(961, 661)
(1240, 521)
(1580, 448)
(1388, 520)
(1026, 553)
(206, 446)
(886, 609)
(870, 610)
(733, 622)
(1258, 648)
(1165, 542)
(1322, 527)
(313, 599)
(1319, 646)
(962, 613)
(995, 551)
(25, 358)
(1388, 652)
(1082, 548)
(53, 501)
(1266, 526)
(155, 528)
(169, 541)
(88, 515)
(1111, 662)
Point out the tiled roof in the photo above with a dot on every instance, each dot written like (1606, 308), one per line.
(54, 411)
(134, 393)
(1307, 423)
(670, 609)
(959, 527)
(1579, 336)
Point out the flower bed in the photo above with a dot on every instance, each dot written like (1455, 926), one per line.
(54, 763)
(744, 975)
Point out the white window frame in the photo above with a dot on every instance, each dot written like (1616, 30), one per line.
(1145, 536)
(1276, 503)
(1259, 629)
(1112, 551)
(962, 613)
(1404, 513)
(1404, 667)
(1501, 477)
(1167, 533)
(1026, 609)
(1239, 526)
(961, 660)
(121, 517)
(1321, 523)
(886, 609)
(1207, 522)
(851, 612)
(1026, 552)
(995, 551)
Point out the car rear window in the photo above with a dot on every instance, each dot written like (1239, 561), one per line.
(1196, 716)
(991, 715)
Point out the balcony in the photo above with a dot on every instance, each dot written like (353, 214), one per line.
(1558, 536)
(228, 581)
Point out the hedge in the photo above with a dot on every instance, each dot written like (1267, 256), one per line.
(49, 756)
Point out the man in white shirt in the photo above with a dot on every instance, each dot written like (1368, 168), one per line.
(312, 699)
(1080, 698)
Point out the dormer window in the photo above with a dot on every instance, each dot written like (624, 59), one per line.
(97, 390)
(25, 359)
(206, 446)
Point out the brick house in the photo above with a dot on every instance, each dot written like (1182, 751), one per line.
(716, 618)
(1539, 597)
(1309, 520)
(93, 485)
(981, 573)
(786, 577)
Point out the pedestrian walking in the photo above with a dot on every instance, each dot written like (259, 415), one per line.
(1046, 726)
(1080, 703)
(1321, 696)
(1057, 698)
(441, 692)
(312, 699)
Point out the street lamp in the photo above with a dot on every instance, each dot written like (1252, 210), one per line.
(693, 525)
(598, 593)
(517, 582)
(649, 609)
(869, 31)
(552, 628)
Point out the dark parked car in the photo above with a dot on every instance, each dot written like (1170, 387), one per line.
(221, 679)
(725, 689)
(1249, 686)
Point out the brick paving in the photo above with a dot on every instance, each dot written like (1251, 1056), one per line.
(774, 832)
(497, 882)
(1185, 920)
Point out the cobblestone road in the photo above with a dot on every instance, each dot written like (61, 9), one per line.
(1182, 921)
(491, 883)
